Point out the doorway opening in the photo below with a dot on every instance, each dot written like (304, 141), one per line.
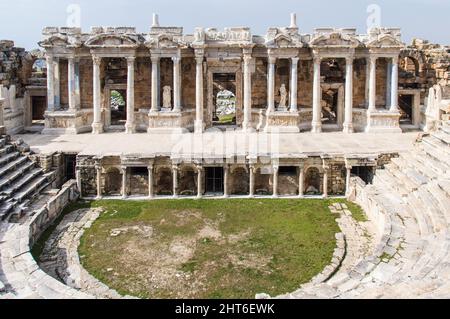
(118, 106)
(363, 172)
(214, 180)
(224, 98)
(330, 100)
(406, 108)
(70, 163)
(38, 107)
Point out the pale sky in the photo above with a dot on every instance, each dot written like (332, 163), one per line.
(23, 20)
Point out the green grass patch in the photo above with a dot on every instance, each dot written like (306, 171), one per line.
(209, 248)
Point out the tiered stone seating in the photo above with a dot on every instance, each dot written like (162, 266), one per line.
(20, 180)
(412, 254)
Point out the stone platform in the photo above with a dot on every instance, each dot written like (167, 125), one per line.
(221, 143)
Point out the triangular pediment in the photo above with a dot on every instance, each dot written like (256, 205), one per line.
(385, 41)
(111, 40)
(55, 41)
(334, 40)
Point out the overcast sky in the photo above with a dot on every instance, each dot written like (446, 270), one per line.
(23, 20)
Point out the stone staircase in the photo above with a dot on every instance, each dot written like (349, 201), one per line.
(409, 201)
(21, 180)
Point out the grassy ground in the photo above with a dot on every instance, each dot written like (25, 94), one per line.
(209, 248)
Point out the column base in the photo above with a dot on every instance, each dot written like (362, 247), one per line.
(199, 126)
(97, 128)
(316, 127)
(130, 128)
(348, 128)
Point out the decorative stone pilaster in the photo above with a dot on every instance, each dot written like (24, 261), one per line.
(130, 125)
(252, 171)
(294, 86)
(155, 83)
(275, 180)
(348, 123)
(78, 179)
(325, 181)
(175, 180)
(98, 169)
(347, 178)
(97, 125)
(150, 182)
(71, 84)
(301, 182)
(123, 170)
(199, 181)
(50, 83)
(372, 83)
(198, 125)
(176, 84)
(226, 171)
(247, 123)
(394, 85)
(317, 98)
(271, 85)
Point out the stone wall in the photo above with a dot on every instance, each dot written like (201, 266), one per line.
(50, 212)
(86, 83)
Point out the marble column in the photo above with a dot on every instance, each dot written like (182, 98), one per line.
(394, 85)
(252, 171)
(155, 84)
(271, 85)
(97, 126)
(57, 83)
(71, 84)
(129, 125)
(176, 84)
(301, 182)
(325, 182)
(317, 98)
(77, 84)
(348, 123)
(199, 181)
(367, 85)
(388, 82)
(175, 180)
(247, 123)
(275, 181)
(373, 84)
(294, 85)
(98, 170)
(50, 84)
(150, 181)
(198, 126)
(226, 171)
(347, 179)
(123, 170)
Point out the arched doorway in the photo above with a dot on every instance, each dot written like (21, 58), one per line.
(313, 181)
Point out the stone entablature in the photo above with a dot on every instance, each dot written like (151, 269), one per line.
(209, 52)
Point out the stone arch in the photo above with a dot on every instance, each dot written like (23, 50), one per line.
(416, 58)
(113, 182)
(163, 181)
(313, 183)
(187, 181)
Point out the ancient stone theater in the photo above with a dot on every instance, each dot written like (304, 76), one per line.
(115, 113)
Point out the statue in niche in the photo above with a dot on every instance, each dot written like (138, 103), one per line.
(283, 97)
(167, 97)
